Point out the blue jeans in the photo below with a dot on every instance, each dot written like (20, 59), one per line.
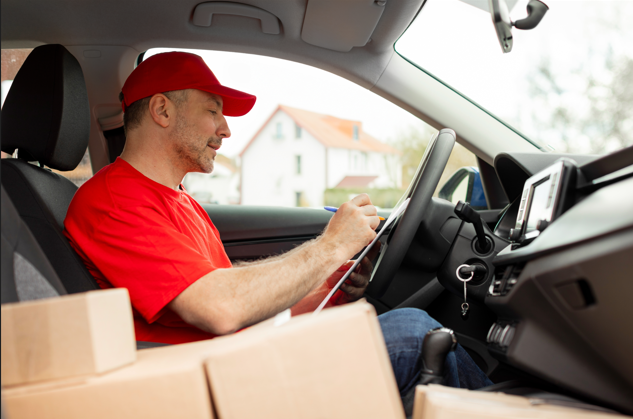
(404, 331)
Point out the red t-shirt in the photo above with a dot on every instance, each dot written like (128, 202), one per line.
(134, 233)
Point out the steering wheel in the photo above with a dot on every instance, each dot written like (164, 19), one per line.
(420, 191)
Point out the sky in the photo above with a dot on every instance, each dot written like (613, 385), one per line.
(467, 56)
(574, 36)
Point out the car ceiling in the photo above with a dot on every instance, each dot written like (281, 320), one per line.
(145, 24)
(119, 30)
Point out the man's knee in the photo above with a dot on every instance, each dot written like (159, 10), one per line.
(406, 326)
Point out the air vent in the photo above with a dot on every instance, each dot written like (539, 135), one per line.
(505, 279)
(513, 277)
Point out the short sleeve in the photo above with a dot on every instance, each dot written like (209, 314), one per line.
(141, 249)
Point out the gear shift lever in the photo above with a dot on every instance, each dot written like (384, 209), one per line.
(437, 344)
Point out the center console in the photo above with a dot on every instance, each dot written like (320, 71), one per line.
(558, 288)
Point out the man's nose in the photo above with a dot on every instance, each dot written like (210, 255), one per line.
(223, 130)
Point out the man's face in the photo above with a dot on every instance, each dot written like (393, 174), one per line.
(199, 130)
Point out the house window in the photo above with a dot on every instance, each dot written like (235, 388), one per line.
(298, 198)
(279, 133)
(298, 164)
(355, 132)
(297, 131)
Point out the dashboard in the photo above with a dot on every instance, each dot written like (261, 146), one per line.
(562, 283)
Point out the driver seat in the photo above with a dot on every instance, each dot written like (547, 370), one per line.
(46, 118)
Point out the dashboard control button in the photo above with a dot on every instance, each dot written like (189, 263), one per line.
(490, 333)
(503, 334)
(497, 334)
(506, 340)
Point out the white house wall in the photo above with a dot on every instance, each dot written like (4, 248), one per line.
(219, 187)
(344, 162)
(269, 166)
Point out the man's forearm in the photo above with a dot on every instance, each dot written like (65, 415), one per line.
(228, 299)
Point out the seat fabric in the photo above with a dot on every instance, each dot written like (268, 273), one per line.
(42, 199)
(26, 273)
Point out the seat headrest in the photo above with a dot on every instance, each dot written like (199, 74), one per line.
(46, 114)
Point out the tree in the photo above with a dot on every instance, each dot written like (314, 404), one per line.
(586, 103)
(413, 142)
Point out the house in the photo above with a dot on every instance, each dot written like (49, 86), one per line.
(319, 152)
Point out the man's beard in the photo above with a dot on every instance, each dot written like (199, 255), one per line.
(191, 148)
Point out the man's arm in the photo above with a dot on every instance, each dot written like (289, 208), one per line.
(226, 300)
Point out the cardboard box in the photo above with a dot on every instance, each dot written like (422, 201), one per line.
(165, 382)
(439, 402)
(333, 365)
(67, 336)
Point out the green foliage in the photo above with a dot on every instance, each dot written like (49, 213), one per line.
(412, 143)
(383, 198)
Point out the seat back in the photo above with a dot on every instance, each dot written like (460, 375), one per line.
(46, 118)
(26, 273)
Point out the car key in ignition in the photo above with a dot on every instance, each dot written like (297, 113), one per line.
(465, 273)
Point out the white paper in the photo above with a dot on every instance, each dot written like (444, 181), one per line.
(282, 318)
(392, 217)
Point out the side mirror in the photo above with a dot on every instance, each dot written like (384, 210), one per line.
(465, 185)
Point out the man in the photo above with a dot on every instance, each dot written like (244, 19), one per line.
(135, 227)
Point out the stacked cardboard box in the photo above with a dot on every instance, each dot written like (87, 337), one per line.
(439, 402)
(74, 335)
(333, 365)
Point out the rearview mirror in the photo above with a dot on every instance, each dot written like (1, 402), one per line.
(465, 185)
(503, 25)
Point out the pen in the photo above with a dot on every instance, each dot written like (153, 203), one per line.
(334, 209)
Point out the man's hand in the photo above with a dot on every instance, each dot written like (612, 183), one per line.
(353, 226)
(354, 287)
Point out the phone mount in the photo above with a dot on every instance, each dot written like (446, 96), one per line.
(503, 25)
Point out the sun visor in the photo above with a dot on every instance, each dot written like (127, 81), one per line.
(341, 25)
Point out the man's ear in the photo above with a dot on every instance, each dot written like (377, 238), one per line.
(161, 110)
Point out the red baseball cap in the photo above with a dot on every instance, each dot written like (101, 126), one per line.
(179, 71)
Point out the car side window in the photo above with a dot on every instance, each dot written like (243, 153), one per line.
(313, 139)
(12, 60)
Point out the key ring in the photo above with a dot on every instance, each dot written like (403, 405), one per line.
(472, 274)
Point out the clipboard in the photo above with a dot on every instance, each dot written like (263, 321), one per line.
(392, 217)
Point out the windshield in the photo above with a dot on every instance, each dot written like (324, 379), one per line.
(566, 85)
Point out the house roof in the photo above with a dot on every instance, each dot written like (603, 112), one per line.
(223, 160)
(331, 131)
(356, 181)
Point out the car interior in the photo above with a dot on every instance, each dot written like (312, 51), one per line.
(547, 304)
